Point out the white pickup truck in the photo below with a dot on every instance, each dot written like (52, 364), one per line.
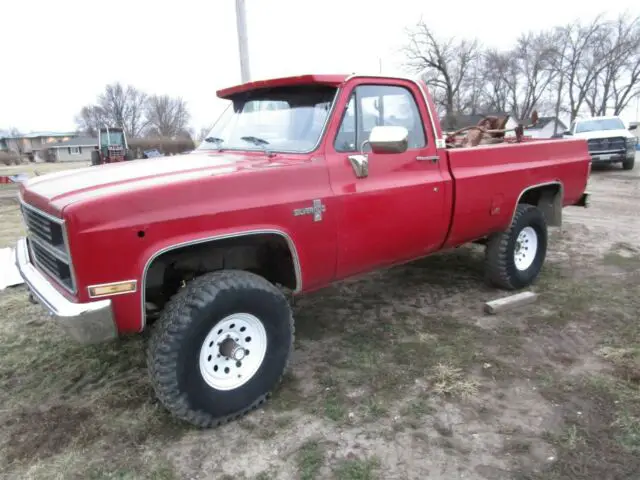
(608, 138)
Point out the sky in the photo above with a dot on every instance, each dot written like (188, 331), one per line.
(59, 55)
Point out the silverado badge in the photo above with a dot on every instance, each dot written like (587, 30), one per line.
(315, 210)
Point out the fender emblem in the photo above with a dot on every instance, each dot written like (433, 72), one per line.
(316, 210)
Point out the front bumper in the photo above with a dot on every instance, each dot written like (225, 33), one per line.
(91, 322)
(614, 157)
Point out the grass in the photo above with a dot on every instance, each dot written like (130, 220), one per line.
(310, 459)
(624, 256)
(449, 380)
(30, 169)
(357, 469)
(10, 223)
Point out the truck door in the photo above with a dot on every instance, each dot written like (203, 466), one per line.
(400, 210)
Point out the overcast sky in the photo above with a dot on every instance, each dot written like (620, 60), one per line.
(58, 55)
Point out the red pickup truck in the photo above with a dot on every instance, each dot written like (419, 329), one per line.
(302, 181)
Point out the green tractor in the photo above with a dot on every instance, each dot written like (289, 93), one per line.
(112, 147)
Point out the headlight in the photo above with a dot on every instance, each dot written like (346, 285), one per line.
(631, 143)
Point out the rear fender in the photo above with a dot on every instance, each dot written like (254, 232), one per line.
(548, 197)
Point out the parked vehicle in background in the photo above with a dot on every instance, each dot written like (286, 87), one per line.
(112, 147)
(608, 139)
(302, 182)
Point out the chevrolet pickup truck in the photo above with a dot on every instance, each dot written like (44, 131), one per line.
(303, 181)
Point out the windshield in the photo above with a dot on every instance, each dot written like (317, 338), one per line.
(116, 138)
(599, 124)
(288, 119)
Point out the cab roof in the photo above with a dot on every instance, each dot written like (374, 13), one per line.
(330, 80)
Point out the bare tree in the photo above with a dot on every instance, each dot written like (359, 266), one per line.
(558, 64)
(202, 133)
(448, 66)
(497, 67)
(584, 60)
(118, 106)
(592, 66)
(168, 116)
(90, 119)
(531, 72)
(616, 84)
(16, 142)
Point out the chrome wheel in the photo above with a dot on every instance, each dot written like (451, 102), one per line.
(233, 351)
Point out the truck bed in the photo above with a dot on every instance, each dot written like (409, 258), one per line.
(488, 180)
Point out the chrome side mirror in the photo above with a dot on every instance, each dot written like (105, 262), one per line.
(389, 139)
(383, 139)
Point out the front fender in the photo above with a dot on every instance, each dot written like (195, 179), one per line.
(165, 245)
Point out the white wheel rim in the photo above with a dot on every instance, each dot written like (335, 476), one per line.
(526, 248)
(233, 351)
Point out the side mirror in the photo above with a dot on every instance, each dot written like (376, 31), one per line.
(389, 139)
(633, 127)
(383, 139)
(567, 132)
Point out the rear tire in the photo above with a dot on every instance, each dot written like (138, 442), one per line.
(628, 164)
(514, 259)
(220, 347)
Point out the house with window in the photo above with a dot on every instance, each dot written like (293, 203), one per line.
(77, 149)
(30, 144)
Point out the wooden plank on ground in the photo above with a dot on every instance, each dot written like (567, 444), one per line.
(512, 301)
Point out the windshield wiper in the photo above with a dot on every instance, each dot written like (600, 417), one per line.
(215, 140)
(255, 140)
(260, 142)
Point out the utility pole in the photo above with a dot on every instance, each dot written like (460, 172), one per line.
(241, 28)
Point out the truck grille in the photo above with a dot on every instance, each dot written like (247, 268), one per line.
(48, 245)
(613, 144)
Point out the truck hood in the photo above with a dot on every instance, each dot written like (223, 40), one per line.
(56, 190)
(603, 134)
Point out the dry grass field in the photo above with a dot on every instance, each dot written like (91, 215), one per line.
(32, 169)
(396, 375)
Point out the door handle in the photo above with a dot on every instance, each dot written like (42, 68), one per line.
(432, 158)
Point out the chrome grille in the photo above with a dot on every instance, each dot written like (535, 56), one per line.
(53, 265)
(48, 245)
(607, 144)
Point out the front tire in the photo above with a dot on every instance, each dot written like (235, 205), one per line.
(514, 259)
(220, 347)
(629, 163)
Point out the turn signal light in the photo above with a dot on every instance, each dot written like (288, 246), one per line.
(112, 288)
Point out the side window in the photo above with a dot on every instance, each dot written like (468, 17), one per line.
(346, 137)
(373, 105)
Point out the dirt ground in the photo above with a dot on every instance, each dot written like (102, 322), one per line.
(396, 375)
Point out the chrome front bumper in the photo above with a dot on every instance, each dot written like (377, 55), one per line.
(91, 322)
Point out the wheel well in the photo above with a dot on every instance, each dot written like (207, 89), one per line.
(548, 198)
(268, 255)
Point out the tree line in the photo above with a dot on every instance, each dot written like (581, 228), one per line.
(574, 69)
(139, 114)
